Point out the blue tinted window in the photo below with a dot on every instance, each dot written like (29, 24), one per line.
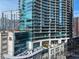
(21, 39)
(26, 14)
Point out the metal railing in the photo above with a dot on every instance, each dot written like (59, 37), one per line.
(55, 52)
(27, 54)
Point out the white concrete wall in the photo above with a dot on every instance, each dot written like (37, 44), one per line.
(59, 40)
(11, 43)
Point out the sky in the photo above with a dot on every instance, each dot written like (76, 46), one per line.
(8, 5)
(76, 8)
(13, 5)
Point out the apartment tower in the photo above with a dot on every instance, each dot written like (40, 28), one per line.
(46, 19)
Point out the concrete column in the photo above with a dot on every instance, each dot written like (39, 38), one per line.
(40, 43)
(54, 52)
(66, 40)
(49, 42)
(49, 53)
(59, 41)
(49, 49)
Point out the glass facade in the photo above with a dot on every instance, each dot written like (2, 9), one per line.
(26, 14)
(21, 39)
(47, 18)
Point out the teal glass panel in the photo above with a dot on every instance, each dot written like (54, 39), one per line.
(26, 12)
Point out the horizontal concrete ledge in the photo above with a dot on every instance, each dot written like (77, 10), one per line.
(50, 40)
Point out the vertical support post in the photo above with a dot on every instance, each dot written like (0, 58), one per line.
(49, 50)
(40, 43)
(11, 21)
(14, 22)
(5, 22)
(59, 41)
(2, 21)
(49, 53)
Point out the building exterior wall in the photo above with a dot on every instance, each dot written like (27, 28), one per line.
(11, 43)
(18, 42)
(46, 18)
(3, 44)
(75, 26)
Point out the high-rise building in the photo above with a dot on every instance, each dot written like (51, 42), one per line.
(46, 19)
(42, 22)
(75, 26)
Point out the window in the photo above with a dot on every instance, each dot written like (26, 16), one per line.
(10, 38)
